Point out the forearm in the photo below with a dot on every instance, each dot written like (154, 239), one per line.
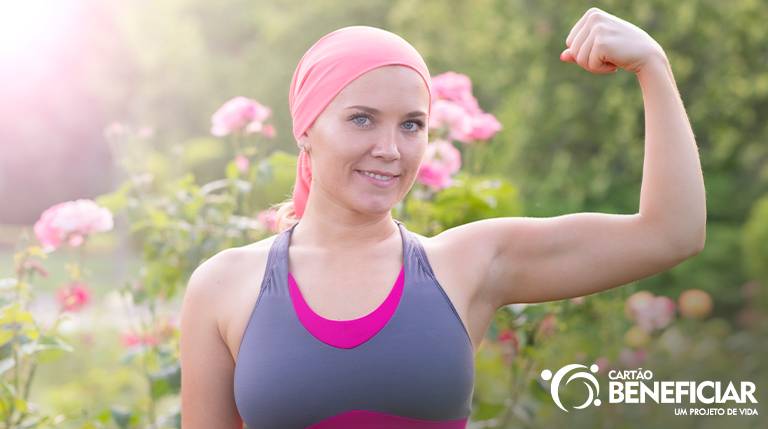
(672, 196)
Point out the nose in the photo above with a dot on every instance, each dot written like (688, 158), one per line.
(386, 145)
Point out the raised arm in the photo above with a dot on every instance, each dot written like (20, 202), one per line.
(544, 259)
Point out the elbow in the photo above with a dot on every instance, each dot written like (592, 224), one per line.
(694, 250)
(701, 238)
(691, 247)
(682, 241)
(683, 248)
(698, 246)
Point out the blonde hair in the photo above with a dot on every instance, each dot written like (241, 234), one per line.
(285, 216)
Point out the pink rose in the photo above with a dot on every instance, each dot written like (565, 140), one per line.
(484, 126)
(457, 109)
(455, 87)
(239, 114)
(71, 221)
(447, 114)
(434, 177)
(650, 312)
(242, 163)
(462, 125)
(441, 161)
(444, 155)
(73, 296)
(130, 339)
(635, 301)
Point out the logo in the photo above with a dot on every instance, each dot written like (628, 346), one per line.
(640, 387)
(580, 372)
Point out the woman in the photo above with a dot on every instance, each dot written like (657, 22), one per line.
(348, 320)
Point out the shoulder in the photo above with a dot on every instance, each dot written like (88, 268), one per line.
(218, 279)
(466, 240)
(225, 263)
(464, 255)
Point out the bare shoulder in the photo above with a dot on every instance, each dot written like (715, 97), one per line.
(455, 253)
(466, 258)
(220, 279)
(225, 264)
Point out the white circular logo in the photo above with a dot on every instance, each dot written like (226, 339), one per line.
(589, 380)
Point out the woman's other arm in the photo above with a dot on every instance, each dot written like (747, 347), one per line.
(207, 368)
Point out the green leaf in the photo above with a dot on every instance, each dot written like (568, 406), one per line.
(166, 381)
(46, 342)
(121, 417)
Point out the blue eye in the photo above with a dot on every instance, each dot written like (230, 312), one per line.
(358, 116)
(354, 118)
(419, 126)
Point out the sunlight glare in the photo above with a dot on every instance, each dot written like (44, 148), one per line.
(28, 27)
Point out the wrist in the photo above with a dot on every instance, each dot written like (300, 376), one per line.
(656, 61)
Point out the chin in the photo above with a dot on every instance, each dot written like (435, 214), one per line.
(375, 206)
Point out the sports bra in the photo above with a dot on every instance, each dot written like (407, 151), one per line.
(407, 364)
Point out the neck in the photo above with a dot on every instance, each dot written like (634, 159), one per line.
(328, 225)
(343, 235)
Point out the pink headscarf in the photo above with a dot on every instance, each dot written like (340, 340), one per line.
(329, 65)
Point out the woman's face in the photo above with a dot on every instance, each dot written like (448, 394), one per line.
(377, 122)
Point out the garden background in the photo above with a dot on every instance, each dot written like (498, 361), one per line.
(114, 102)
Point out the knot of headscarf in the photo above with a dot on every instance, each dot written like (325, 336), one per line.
(328, 66)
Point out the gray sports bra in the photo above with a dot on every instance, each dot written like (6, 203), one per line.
(407, 364)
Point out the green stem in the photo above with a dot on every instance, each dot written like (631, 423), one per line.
(145, 363)
(467, 154)
(15, 341)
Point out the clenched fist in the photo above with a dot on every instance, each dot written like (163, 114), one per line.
(601, 43)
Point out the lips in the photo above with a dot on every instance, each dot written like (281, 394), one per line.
(379, 182)
(379, 172)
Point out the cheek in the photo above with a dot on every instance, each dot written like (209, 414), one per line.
(417, 155)
(337, 157)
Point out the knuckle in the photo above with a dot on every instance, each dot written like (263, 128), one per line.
(599, 43)
(600, 27)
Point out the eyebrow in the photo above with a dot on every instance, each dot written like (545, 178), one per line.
(413, 114)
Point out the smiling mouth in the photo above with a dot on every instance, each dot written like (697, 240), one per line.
(381, 177)
(378, 180)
